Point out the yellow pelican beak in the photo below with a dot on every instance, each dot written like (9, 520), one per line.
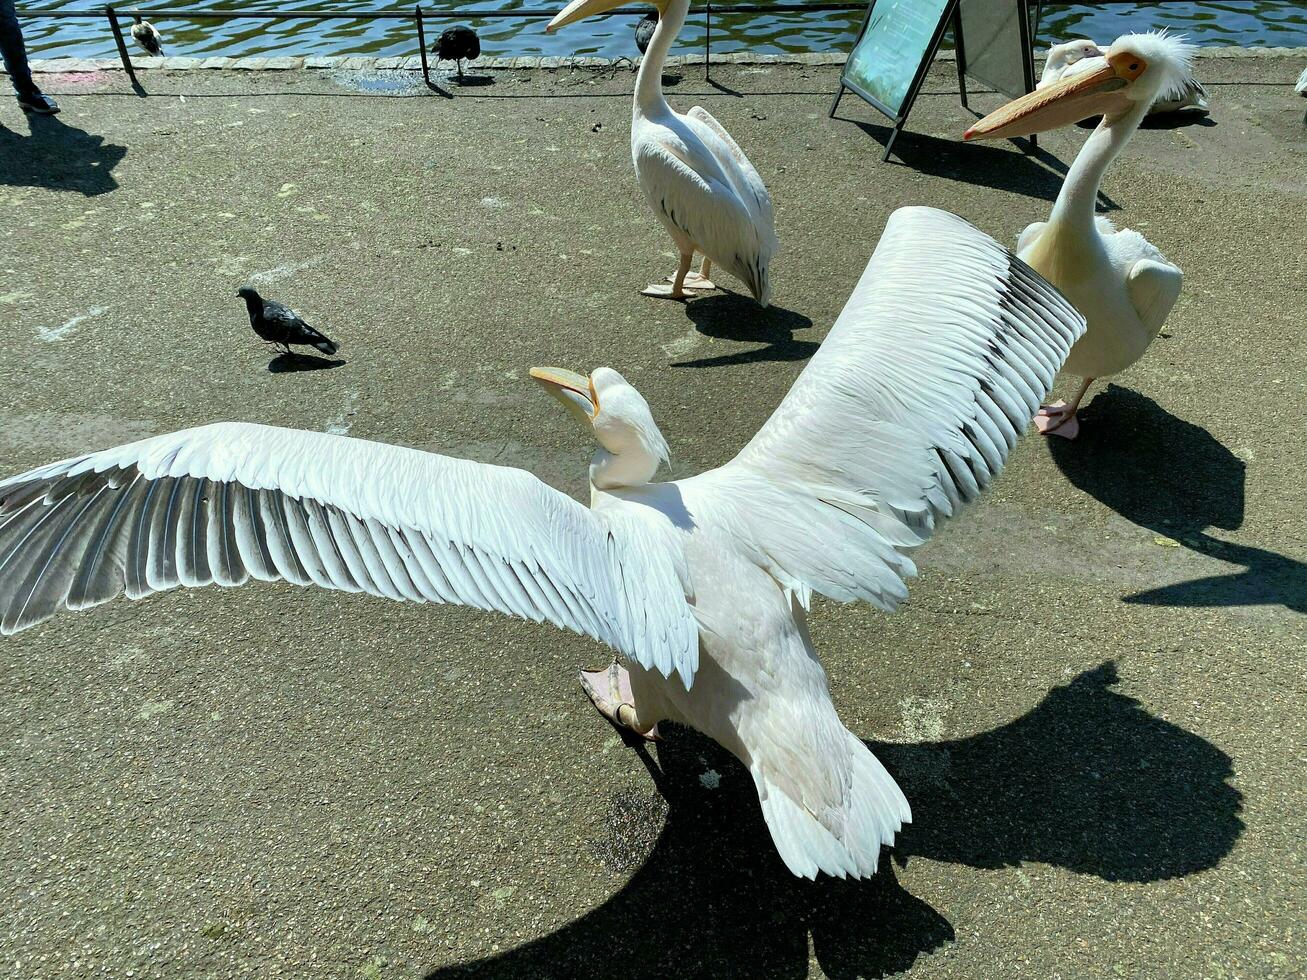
(575, 391)
(579, 9)
(1091, 93)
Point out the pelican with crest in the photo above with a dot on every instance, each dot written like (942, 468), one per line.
(906, 412)
(1119, 280)
(697, 179)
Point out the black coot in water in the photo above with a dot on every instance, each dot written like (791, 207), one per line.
(457, 43)
(644, 31)
(279, 324)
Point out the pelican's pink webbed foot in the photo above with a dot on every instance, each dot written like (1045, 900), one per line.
(610, 690)
(664, 290)
(697, 282)
(1058, 419)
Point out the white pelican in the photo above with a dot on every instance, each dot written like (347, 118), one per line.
(697, 179)
(906, 412)
(1083, 55)
(1060, 56)
(1301, 86)
(1121, 282)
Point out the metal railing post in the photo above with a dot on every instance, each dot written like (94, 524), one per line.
(118, 39)
(707, 46)
(422, 43)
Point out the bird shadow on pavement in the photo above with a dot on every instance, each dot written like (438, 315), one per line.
(293, 362)
(1038, 174)
(734, 316)
(58, 156)
(1087, 780)
(1179, 119)
(1175, 478)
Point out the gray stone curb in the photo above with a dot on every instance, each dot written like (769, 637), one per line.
(531, 63)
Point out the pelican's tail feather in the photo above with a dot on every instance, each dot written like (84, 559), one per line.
(845, 843)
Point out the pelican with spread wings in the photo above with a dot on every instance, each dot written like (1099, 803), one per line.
(906, 412)
(697, 179)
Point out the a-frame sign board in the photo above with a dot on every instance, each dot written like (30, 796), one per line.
(892, 54)
(899, 40)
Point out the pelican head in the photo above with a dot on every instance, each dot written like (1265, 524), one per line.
(630, 445)
(1069, 52)
(580, 9)
(1136, 70)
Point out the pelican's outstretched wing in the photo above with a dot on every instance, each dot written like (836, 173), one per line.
(229, 502)
(907, 411)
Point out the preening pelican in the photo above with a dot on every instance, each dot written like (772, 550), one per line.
(1083, 55)
(1120, 281)
(1060, 56)
(904, 414)
(697, 179)
(147, 36)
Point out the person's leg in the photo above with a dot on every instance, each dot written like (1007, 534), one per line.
(14, 53)
(11, 46)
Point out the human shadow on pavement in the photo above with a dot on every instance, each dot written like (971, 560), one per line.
(58, 156)
(734, 316)
(1175, 478)
(1087, 780)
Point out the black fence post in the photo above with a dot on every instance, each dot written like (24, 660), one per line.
(118, 39)
(422, 43)
(707, 46)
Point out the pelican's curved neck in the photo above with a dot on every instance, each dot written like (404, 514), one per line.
(613, 471)
(1079, 195)
(649, 82)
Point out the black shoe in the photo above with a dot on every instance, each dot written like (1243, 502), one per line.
(39, 103)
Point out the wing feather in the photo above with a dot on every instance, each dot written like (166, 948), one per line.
(229, 502)
(908, 411)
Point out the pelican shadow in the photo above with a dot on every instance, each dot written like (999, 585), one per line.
(292, 363)
(1037, 174)
(1087, 780)
(732, 316)
(1175, 478)
(58, 156)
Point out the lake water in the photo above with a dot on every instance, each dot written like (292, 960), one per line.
(1232, 22)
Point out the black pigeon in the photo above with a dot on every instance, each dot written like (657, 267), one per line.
(279, 324)
(644, 31)
(457, 43)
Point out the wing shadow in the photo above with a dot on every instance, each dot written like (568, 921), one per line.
(1087, 780)
(1175, 478)
(732, 316)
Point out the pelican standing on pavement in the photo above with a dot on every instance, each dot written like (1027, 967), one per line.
(906, 412)
(697, 179)
(1119, 280)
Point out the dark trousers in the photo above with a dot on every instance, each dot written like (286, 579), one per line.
(11, 47)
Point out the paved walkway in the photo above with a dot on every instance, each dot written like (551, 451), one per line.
(1094, 698)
